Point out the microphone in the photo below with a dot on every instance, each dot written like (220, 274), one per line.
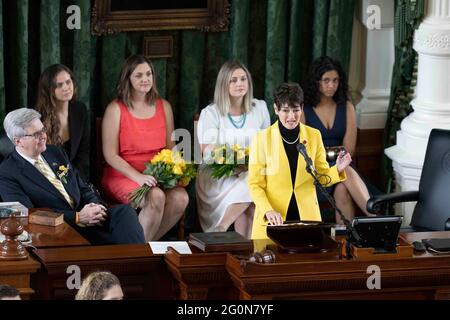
(309, 164)
(351, 232)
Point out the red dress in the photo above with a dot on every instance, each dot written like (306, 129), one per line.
(139, 141)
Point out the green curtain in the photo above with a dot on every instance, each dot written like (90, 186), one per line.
(408, 15)
(275, 39)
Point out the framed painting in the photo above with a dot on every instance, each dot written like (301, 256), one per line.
(113, 16)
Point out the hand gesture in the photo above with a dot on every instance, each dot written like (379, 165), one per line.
(343, 160)
(92, 214)
(274, 218)
(142, 179)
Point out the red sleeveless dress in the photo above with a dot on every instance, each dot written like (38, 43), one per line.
(139, 141)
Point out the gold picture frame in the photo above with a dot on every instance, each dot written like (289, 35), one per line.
(110, 16)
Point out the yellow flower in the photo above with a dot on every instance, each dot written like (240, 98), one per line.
(235, 147)
(247, 151)
(185, 181)
(177, 170)
(240, 154)
(220, 160)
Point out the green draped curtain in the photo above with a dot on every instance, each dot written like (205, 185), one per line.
(275, 39)
(408, 15)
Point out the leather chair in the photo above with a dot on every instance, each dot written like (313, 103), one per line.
(432, 211)
(6, 146)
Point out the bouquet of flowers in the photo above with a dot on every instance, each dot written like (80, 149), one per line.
(226, 160)
(169, 169)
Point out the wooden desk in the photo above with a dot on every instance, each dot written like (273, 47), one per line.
(60, 236)
(314, 276)
(201, 276)
(17, 274)
(142, 274)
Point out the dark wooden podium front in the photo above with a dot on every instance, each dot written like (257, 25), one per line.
(313, 276)
(143, 275)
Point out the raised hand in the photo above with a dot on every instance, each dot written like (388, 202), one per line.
(343, 160)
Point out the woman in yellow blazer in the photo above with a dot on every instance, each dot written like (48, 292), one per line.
(280, 187)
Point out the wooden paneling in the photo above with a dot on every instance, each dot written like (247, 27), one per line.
(142, 274)
(368, 155)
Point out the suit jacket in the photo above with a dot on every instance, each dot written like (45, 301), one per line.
(21, 181)
(270, 182)
(79, 137)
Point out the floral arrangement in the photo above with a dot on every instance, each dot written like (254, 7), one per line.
(227, 160)
(169, 169)
(62, 172)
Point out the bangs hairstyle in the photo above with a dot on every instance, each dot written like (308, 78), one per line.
(312, 85)
(222, 89)
(46, 102)
(124, 87)
(289, 93)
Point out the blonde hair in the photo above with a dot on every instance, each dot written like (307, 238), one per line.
(222, 89)
(96, 284)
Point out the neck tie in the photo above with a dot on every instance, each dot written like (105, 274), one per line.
(46, 171)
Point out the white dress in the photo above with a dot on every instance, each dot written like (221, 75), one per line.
(214, 196)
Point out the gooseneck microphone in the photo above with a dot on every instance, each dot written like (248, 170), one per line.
(312, 171)
(309, 164)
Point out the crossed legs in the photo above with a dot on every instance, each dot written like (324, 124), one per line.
(353, 188)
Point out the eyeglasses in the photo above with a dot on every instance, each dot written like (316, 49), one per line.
(37, 134)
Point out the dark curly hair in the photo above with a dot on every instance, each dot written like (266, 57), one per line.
(312, 84)
(289, 93)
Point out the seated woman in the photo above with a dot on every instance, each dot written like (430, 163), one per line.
(233, 118)
(278, 181)
(65, 118)
(136, 126)
(329, 110)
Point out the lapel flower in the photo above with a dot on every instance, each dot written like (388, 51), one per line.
(62, 172)
(305, 142)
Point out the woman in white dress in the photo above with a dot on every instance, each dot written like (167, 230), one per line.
(233, 118)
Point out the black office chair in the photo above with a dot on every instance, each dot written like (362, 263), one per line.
(6, 146)
(432, 211)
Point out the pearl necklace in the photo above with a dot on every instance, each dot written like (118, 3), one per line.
(295, 141)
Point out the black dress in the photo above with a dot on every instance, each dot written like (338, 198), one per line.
(77, 147)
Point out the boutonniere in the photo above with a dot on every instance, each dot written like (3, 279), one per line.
(304, 142)
(62, 172)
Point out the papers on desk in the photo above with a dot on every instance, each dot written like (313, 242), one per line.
(160, 247)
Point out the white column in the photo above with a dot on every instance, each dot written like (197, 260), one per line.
(379, 60)
(431, 103)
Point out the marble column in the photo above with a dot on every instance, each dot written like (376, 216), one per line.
(379, 59)
(431, 103)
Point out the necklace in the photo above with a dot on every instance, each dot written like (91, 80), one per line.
(295, 141)
(238, 124)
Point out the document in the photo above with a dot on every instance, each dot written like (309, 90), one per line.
(160, 247)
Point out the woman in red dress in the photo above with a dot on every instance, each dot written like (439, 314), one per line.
(136, 126)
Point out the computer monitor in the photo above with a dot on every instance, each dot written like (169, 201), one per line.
(379, 232)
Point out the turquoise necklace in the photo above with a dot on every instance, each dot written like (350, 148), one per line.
(238, 124)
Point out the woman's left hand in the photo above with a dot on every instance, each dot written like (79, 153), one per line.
(343, 161)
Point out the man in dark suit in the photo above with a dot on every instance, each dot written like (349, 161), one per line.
(40, 175)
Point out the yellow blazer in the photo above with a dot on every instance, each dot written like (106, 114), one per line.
(269, 177)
